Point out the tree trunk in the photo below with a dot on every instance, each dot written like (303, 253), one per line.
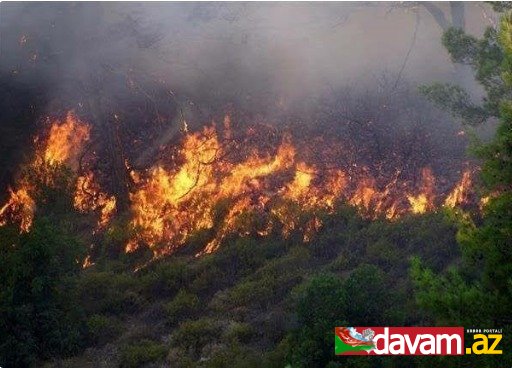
(463, 74)
(458, 17)
(437, 14)
(120, 181)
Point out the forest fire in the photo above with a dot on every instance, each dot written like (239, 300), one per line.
(89, 197)
(459, 194)
(208, 183)
(423, 202)
(206, 188)
(205, 184)
(63, 145)
(20, 207)
(65, 141)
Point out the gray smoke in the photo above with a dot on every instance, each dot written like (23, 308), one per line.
(227, 52)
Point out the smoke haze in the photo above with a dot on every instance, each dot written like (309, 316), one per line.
(228, 52)
(137, 71)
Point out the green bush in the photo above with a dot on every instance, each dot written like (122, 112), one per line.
(102, 329)
(105, 292)
(192, 336)
(337, 229)
(237, 258)
(166, 278)
(367, 296)
(141, 353)
(178, 358)
(209, 277)
(320, 307)
(384, 254)
(258, 292)
(184, 305)
(389, 245)
(270, 284)
(233, 355)
(240, 332)
(40, 316)
(277, 358)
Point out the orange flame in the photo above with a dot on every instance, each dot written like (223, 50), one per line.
(424, 201)
(87, 262)
(211, 184)
(63, 145)
(89, 197)
(19, 209)
(460, 192)
(168, 205)
(65, 141)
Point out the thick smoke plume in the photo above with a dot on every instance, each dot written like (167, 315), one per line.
(211, 53)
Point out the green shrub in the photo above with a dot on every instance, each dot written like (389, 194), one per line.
(320, 307)
(192, 336)
(340, 263)
(368, 296)
(384, 254)
(184, 305)
(40, 315)
(178, 358)
(430, 235)
(141, 331)
(269, 285)
(166, 278)
(102, 329)
(250, 292)
(209, 277)
(240, 332)
(233, 355)
(141, 353)
(278, 357)
(110, 293)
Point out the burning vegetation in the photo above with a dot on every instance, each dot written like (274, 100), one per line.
(264, 191)
(224, 170)
(62, 146)
(255, 182)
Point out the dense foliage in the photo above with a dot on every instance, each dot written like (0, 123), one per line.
(479, 290)
(264, 301)
(40, 316)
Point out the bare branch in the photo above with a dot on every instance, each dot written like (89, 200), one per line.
(437, 13)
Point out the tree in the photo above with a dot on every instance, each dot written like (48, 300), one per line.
(320, 308)
(40, 317)
(454, 19)
(479, 291)
(367, 296)
(485, 57)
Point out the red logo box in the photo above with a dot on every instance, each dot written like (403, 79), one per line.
(399, 340)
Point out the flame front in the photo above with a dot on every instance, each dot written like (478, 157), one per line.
(19, 209)
(203, 188)
(215, 183)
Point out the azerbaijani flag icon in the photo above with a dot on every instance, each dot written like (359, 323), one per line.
(348, 340)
